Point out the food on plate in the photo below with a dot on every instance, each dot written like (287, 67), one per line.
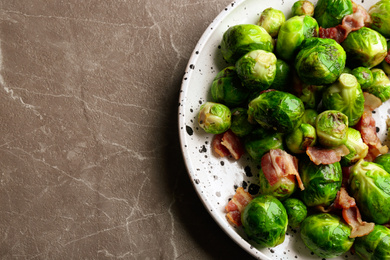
(302, 7)
(331, 127)
(375, 245)
(357, 148)
(271, 19)
(380, 86)
(240, 125)
(282, 76)
(379, 13)
(384, 161)
(330, 13)
(309, 117)
(214, 118)
(296, 211)
(363, 76)
(261, 141)
(300, 138)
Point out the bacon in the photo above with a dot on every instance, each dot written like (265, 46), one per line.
(218, 147)
(236, 205)
(371, 102)
(319, 155)
(277, 164)
(228, 144)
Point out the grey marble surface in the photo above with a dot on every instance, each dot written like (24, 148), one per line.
(90, 161)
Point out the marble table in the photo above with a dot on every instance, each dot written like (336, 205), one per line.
(90, 160)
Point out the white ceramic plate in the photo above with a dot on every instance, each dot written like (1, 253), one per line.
(215, 179)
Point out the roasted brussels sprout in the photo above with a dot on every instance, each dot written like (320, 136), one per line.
(310, 95)
(282, 76)
(240, 125)
(291, 34)
(271, 19)
(302, 7)
(265, 220)
(276, 110)
(370, 186)
(321, 182)
(363, 76)
(384, 161)
(380, 86)
(379, 13)
(357, 148)
(365, 47)
(300, 138)
(227, 88)
(214, 118)
(375, 245)
(243, 38)
(326, 235)
(259, 142)
(309, 117)
(345, 95)
(330, 13)
(320, 61)
(257, 69)
(296, 211)
(281, 190)
(332, 126)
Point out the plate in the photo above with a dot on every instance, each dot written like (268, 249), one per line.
(215, 179)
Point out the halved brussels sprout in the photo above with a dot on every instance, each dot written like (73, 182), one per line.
(302, 7)
(384, 161)
(214, 118)
(326, 235)
(257, 69)
(320, 61)
(240, 125)
(282, 76)
(365, 47)
(330, 13)
(375, 245)
(296, 211)
(281, 190)
(345, 95)
(300, 138)
(380, 86)
(260, 141)
(357, 148)
(271, 19)
(309, 117)
(243, 38)
(265, 220)
(332, 126)
(379, 13)
(363, 76)
(370, 186)
(227, 88)
(277, 110)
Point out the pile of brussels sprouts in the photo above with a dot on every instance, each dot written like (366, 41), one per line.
(285, 88)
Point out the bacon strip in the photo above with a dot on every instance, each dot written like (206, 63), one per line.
(218, 147)
(236, 205)
(277, 164)
(228, 144)
(319, 155)
(371, 102)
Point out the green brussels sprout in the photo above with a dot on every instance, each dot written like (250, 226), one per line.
(259, 142)
(257, 69)
(292, 33)
(276, 110)
(271, 19)
(363, 76)
(282, 76)
(309, 117)
(332, 126)
(380, 86)
(296, 211)
(311, 95)
(243, 38)
(240, 125)
(330, 13)
(281, 190)
(357, 148)
(345, 95)
(320, 61)
(227, 88)
(347, 70)
(214, 118)
(384, 161)
(365, 47)
(300, 138)
(370, 186)
(322, 182)
(386, 62)
(379, 13)
(326, 235)
(265, 221)
(302, 7)
(375, 245)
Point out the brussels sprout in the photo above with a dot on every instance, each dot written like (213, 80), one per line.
(259, 142)
(276, 110)
(326, 235)
(321, 182)
(363, 76)
(300, 138)
(379, 13)
(291, 34)
(345, 95)
(332, 126)
(309, 117)
(227, 88)
(271, 19)
(296, 211)
(302, 7)
(240, 125)
(347, 70)
(370, 186)
(375, 245)
(214, 118)
(257, 69)
(365, 47)
(282, 76)
(265, 220)
(330, 13)
(357, 148)
(384, 161)
(281, 190)
(311, 95)
(243, 38)
(320, 61)
(380, 86)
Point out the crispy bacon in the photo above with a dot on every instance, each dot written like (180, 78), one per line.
(236, 205)
(278, 164)
(218, 147)
(228, 144)
(319, 155)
